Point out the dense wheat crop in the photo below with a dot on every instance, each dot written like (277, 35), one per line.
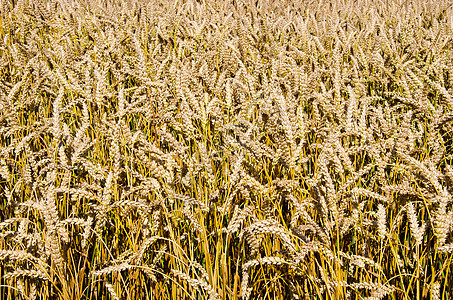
(226, 149)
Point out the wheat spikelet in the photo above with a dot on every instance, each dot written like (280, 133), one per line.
(238, 218)
(195, 283)
(435, 292)
(111, 291)
(378, 290)
(448, 248)
(27, 273)
(21, 287)
(368, 193)
(361, 261)
(15, 255)
(267, 226)
(381, 221)
(441, 220)
(416, 231)
(33, 292)
(108, 270)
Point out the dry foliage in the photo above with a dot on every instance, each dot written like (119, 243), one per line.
(226, 149)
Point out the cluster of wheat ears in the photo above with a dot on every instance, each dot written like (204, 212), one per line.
(228, 149)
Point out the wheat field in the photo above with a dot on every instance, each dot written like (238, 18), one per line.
(228, 149)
